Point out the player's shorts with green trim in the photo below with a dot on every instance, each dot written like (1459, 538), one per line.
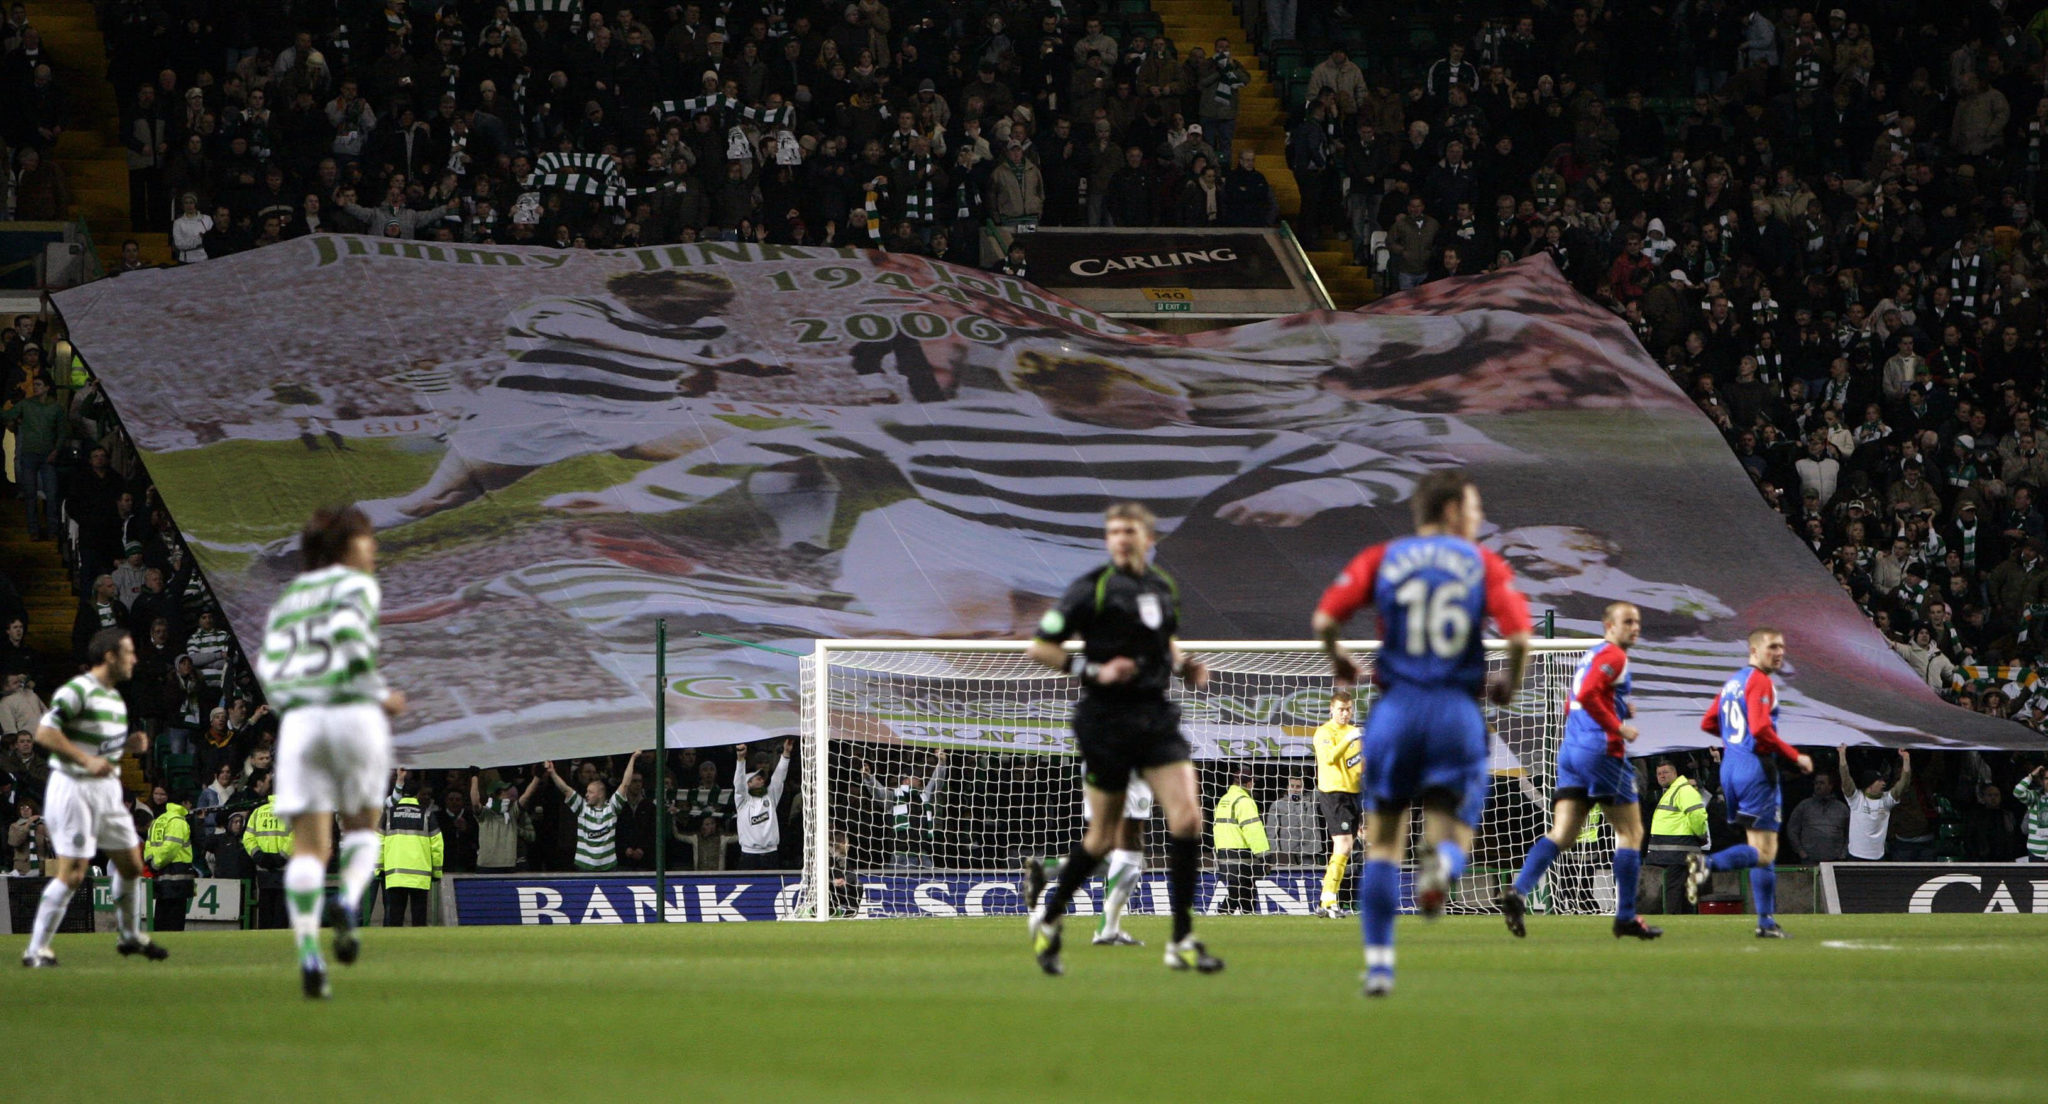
(1121, 736)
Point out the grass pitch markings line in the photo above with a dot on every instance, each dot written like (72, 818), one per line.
(1946, 1086)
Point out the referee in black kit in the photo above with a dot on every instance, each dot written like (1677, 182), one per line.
(1125, 613)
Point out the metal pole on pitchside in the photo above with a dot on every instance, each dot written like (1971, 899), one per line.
(1550, 624)
(661, 826)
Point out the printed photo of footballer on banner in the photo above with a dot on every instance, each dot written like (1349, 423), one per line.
(777, 444)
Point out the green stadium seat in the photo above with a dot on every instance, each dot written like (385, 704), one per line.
(180, 771)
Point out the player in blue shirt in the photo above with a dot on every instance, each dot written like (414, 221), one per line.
(1425, 740)
(1592, 765)
(1745, 716)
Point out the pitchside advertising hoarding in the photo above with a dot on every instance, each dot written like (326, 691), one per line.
(1934, 887)
(737, 897)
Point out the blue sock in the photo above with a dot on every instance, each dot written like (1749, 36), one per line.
(1737, 857)
(1453, 858)
(1541, 854)
(1379, 897)
(1763, 885)
(1628, 867)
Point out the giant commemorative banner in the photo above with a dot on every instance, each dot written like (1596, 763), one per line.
(778, 444)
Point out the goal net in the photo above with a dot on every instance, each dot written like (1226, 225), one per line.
(933, 768)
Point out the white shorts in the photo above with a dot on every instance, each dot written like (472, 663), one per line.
(1137, 801)
(333, 759)
(87, 815)
(531, 429)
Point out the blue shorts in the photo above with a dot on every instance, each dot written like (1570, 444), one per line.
(1593, 775)
(1420, 740)
(1752, 794)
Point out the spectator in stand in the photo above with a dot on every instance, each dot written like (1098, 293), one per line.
(708, 798)
(128, 575)
(1412, 243)
(1247, 196)
(97, 610)
(40, 192)
(28, 839)
(502, 823)
(227, 782)
(1870, 805)
(1292, 819)
(707, 841)
(28, 764)
(225, 850)
(1221, 81)
(459, 832)
(759, 815)
(636, 826)
(1341, 75)
(208, 647)
(2032, 794)
(910, 805)
(21, 710)
(190, 229)
(187, 710)
(42, 425)
(1818, 827)
(1992, 828)
(16, 657)
(596, 812)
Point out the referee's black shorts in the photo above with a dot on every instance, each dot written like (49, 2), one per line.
(1340, 812)
(1122, 736)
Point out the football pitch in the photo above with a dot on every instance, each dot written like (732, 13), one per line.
(1937, 1008)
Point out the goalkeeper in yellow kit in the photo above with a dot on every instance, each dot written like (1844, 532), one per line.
(1340, 759)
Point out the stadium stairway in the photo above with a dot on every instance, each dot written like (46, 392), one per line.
(36, 569)
(90, 152)
(1350, 285)
(1261, 124)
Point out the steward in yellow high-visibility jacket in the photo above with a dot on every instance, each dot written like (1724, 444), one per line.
(411, 856)
(1678, 828)
(268, 841)
(1240, 841)
(169, 854)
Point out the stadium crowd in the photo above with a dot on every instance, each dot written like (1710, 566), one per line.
(935, 128)
(1821, 221)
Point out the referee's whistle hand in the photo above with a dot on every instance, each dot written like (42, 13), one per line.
(1116, 670)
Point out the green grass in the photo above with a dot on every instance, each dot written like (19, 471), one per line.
(216, 497)
(1911, 1008)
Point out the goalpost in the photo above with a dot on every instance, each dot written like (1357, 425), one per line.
(932, 768)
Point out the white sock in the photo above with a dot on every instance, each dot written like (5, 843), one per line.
(127, 906)
(360, 851)
(1125, 869)
(56, 898)
(1379, 957)
(304, 879)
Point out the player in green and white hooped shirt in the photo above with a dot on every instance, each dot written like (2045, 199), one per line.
(597, 817)
(319, 665)
(1126, 866)
(86, 732)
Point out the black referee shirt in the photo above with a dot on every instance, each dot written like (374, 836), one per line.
(1119, 614)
